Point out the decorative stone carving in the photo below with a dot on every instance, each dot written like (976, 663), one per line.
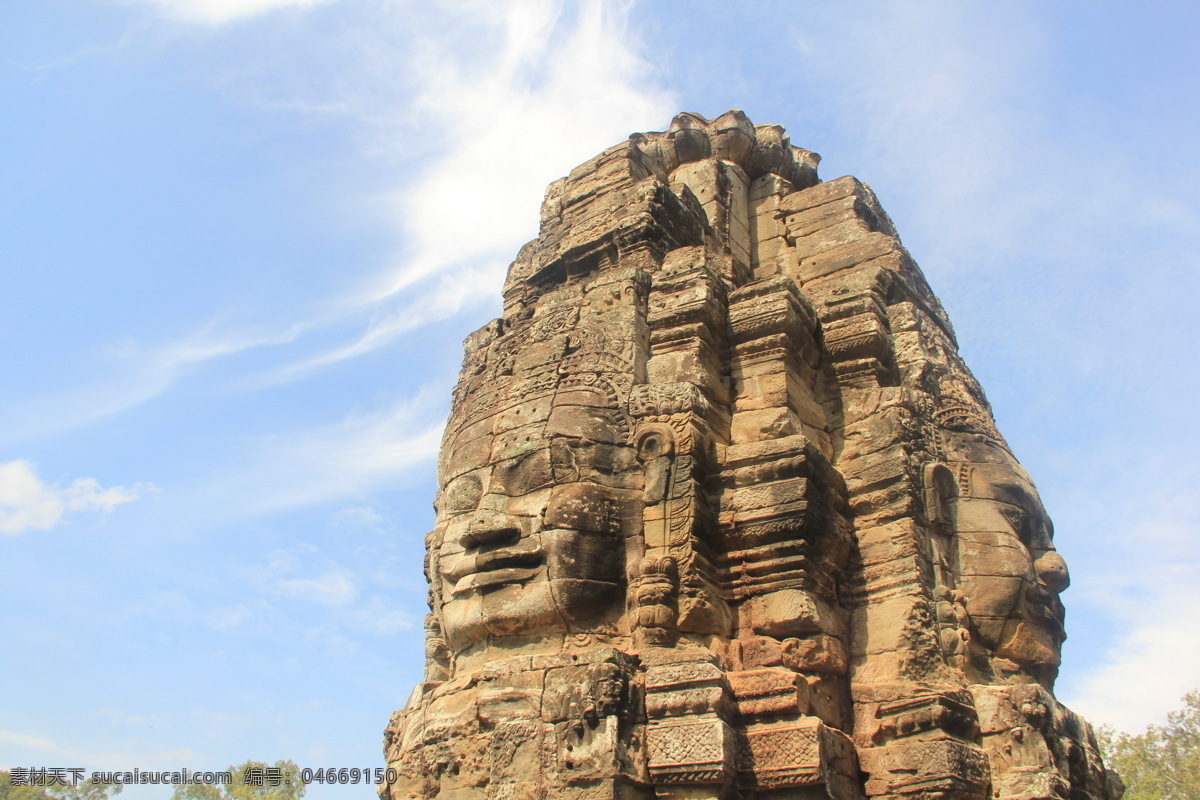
(723, 514)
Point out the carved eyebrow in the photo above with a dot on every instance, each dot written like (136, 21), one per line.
(557, 459)
(1014, 514)
(1023, 521)
(573, 439)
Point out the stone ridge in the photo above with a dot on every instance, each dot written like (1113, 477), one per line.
(723, 514)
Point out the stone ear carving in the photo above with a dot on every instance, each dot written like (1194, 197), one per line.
(657, 587)
(656, 443)
(437, 654)
(941, 490)
(656, 452)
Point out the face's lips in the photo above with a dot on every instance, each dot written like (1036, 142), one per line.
(1045, 607)
(475, 571)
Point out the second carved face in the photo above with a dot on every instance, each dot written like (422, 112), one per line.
(533, 541)
(1011, 575)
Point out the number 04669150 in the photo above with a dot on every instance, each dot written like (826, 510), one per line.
(347, 775)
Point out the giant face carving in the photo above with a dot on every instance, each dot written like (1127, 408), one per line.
(1010, 574)
(531, 538)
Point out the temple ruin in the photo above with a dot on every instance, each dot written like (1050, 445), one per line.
(722, 514)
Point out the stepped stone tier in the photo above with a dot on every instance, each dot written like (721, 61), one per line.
(723, 513)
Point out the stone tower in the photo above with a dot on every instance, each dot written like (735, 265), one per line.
(723, 514)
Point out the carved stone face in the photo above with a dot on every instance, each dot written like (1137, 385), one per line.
(1011, 574)
(534, 543)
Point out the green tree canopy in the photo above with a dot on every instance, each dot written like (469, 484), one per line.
(1163, 763)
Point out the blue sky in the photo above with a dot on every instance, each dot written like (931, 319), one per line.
(242, 240)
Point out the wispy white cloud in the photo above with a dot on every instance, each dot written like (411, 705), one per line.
(440, 297)
(28, 503)
(543, 86)
(359, 453)
(1147, 587)
(335, 588)
(342, 600)
(346, 460)
(219, 12)
(137, 374)
(1153, 662)
(549, 85)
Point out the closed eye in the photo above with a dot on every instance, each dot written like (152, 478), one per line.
(460, 495)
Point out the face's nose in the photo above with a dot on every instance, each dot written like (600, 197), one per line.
(488, 529)
(1052, 570)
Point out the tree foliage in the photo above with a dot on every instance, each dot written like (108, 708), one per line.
(1164, 762)
(253, 780)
